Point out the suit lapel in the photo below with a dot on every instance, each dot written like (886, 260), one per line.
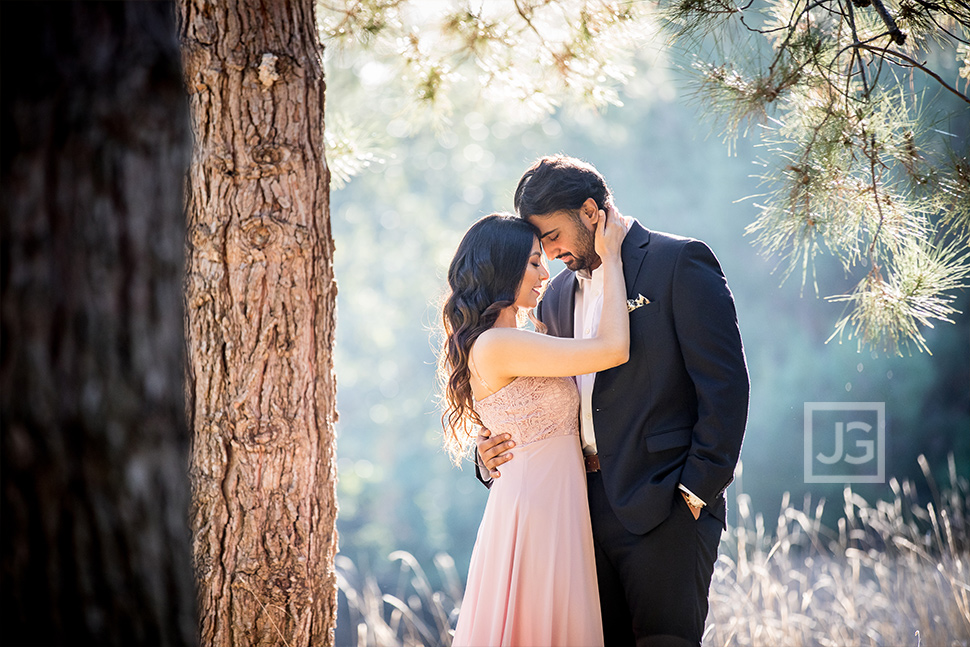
(633, 252)
(556, 307)
(567, 302)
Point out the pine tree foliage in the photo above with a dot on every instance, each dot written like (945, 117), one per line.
(350, 149)
(531, 51)
(862, 107)
(523, 57)
(861, 160)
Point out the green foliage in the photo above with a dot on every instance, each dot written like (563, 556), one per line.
(859, 107)
(896, 310)
(867, 144)
(529, 56)
(350, 150)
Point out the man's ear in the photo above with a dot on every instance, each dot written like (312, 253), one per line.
(590, 211)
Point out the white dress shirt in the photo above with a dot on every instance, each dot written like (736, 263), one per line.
(586, 319)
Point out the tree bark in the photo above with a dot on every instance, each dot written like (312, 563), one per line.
(260, 299)
(95, 494)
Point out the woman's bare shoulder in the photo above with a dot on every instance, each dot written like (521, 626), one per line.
(500, 336)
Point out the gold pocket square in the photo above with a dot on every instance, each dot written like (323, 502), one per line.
(639, 302)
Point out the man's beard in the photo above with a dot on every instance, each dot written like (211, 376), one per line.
(585, 256)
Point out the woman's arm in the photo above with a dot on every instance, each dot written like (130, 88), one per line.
(502, 354)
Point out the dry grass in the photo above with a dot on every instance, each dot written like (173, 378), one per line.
(893, 574)
(896, 574)
(414, 615)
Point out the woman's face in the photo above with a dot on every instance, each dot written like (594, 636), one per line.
(534, 279)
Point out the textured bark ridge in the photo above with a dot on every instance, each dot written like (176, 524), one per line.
(95, 494)
(260, 298)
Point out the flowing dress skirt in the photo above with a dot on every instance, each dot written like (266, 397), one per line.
(532, 578)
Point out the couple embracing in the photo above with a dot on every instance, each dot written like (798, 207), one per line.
(607, 436)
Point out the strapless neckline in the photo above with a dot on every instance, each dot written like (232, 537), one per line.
(532, 408)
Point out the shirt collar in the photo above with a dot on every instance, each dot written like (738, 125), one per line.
(591, 278)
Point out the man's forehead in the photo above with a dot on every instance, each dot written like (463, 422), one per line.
(547, 224)
(544, 232)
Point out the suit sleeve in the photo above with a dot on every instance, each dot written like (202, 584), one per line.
(480, 470)
(707, 328)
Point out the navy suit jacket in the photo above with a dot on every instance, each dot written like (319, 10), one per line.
(676, 411)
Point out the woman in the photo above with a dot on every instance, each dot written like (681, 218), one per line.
(532, 578)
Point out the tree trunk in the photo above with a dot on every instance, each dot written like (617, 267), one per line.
(95, 494)
(260, 298)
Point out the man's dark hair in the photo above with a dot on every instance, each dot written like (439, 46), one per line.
(558, 182)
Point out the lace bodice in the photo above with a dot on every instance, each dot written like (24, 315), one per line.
(532, 408)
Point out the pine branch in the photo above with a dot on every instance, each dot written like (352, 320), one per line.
(898, 36)
(527, 18)
(873, 158)
(916, 64)
(889, 311)
(855, 52)
(845, 139)
(961, 18)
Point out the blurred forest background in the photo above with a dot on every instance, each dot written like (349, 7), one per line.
(397, 224)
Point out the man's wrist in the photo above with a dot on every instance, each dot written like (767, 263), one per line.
(692, 499)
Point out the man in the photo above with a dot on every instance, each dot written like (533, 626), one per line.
(662, 433)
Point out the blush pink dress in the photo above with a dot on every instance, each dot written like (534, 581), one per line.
(532, 578)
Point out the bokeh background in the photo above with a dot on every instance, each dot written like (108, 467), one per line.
(398, 222)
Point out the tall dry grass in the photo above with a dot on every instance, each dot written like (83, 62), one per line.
(893, 574)
(414, 615)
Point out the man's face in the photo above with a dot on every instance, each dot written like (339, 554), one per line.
(568, 236)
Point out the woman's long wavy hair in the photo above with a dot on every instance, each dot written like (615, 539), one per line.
(484, 278)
